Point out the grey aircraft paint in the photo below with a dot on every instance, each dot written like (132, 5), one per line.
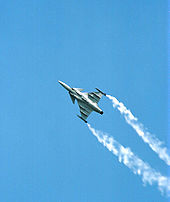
(87, 101)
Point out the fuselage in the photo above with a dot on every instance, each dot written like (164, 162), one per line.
(83, 97)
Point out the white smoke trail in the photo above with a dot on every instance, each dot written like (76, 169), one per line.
(139, 167)
(155, 144)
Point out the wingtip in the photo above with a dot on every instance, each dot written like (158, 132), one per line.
(82, 118)
(100, 91)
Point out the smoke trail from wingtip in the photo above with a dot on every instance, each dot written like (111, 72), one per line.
(139, 167)
(150, 139)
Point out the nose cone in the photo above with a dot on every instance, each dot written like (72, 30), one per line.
(64, 85)
(60, 82)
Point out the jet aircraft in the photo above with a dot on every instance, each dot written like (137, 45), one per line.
(87, 101)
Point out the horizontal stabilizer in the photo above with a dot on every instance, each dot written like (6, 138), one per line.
(72, 98)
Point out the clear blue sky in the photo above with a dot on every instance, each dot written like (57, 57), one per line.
(46, 152)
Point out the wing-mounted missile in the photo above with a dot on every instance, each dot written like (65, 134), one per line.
(101, 92)
(82, 119)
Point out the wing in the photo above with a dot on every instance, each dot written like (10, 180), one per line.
(95, 96)
(84, 109)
